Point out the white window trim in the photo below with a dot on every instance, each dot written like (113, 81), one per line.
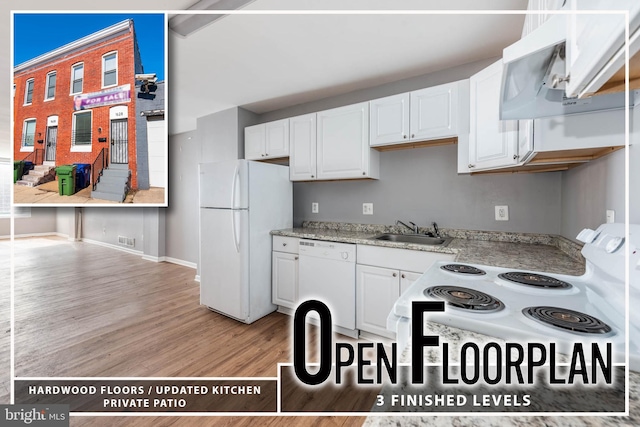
(26, 148)
(46, 86)
(82, 148)
(26, 91)
(73, 67)
(114, 52)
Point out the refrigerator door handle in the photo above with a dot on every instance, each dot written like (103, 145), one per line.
(235, 231)
(236, 174)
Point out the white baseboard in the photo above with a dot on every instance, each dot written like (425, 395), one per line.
(27, 235)
(197, 278)
(153, 258)
(112, 246)
(181, 262)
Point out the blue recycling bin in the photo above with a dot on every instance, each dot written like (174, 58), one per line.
(83, 175)
(28, 166)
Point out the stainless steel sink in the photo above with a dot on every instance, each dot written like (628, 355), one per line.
(414, 238)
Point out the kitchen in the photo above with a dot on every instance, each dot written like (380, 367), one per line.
(555, 203)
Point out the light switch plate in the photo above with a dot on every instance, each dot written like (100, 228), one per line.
(502, 213)
(611, 216)
(367, 209)
(314, 207)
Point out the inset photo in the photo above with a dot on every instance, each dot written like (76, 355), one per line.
(89, 109)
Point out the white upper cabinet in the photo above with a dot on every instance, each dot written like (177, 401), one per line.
(434, 112)
(544, 10)
(493, 143)
(426, 114)
(389, 120)
(343, 144)
(267, 140)
(595, 42)
(302, 147)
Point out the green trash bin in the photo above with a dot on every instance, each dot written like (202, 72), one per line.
(66, 179)
(18, 170)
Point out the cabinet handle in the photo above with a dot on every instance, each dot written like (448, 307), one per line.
(296, 258)
(515, 156)
(395, 274)
(413, 135)
(364, 173)
(471, 166)
(404, 136)
(266, 154)
(261, 155)
(402, 276)
(312, 176)
(284, 244)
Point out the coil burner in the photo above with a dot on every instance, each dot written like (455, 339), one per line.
(533, 279)
(465, 298)
(567, 319)
(463, 269)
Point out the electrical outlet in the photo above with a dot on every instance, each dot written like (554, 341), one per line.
(367, 209)
(611, 216)
(502, 213)
(314, 207)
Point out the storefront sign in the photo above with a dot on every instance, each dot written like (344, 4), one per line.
(116, 95)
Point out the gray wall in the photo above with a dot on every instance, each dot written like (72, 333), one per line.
(42, 220)
(106, 224)
(634, 168)
(182, 213)
(221, 135)
(421, 185)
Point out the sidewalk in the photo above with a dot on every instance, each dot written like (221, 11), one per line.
(47, 193)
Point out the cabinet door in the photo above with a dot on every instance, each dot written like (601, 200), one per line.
(276, 139)
(284, 280)
(343, 142)
(254, 142)
(593, 39)
(389, 120)
(377, 289)
(302, 147)
(493, 143)
(407, 278)
(434, 112)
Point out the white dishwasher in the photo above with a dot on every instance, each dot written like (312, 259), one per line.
(327, 273)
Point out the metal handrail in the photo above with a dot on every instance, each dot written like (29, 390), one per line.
(36, 156)
(99, 164)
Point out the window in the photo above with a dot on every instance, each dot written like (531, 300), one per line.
(51, 86)
(28, 132)
(28, 92)
(82, 128)
(77, 76)
(110, 69)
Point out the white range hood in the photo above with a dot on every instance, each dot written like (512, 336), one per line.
(534, 69)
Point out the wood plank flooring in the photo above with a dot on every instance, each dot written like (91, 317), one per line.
(86, 310)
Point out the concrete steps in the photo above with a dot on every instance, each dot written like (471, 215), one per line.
(38, 175)
(114, 184)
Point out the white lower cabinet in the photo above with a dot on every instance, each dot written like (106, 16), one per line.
(377, 289)
(285, 279)
(284, 271)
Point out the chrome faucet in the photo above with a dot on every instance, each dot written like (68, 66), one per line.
(411, 227)
(436, 232)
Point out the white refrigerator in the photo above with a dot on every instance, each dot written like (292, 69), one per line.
(241, 201)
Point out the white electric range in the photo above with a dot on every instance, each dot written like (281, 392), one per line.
(525, 306)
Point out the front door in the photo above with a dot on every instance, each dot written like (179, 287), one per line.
(52, 138)
(119, 141)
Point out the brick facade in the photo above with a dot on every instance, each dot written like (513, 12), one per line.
(89, 51)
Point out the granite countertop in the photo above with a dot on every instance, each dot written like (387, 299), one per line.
(537, 252)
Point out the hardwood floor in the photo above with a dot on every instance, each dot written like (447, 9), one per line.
(86, 310)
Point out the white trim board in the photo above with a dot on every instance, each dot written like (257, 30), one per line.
(27, 235)
(112, 246)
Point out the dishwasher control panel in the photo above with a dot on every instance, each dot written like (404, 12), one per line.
(328, 250)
